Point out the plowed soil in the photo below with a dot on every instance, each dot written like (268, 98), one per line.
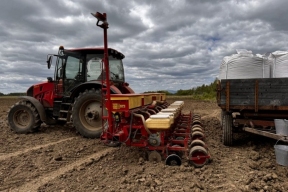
(58, 159)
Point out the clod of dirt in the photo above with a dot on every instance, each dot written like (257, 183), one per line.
(254, 155)
(253, 164)
(58, 158)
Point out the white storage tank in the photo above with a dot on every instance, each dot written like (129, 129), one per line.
(245, 65)
(280, 64)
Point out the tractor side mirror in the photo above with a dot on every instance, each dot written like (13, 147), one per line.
(49, 61)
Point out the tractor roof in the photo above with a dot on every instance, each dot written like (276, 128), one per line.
(100, 50)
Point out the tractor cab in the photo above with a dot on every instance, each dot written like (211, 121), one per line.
(76, 66)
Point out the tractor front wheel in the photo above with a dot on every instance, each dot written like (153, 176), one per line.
(87, 113)
(23, 117)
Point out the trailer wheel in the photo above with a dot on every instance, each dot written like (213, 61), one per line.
(227, 133)
(23, 117)
(222, 116)
(87, 113)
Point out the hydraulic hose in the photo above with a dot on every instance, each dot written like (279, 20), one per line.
(130, 129)
(151, 110)
(143, 121)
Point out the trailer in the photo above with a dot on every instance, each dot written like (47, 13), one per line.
(252, 105)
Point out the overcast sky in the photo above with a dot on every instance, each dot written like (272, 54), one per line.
(168, 44)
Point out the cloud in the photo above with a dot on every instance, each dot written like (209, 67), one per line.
(168, 44)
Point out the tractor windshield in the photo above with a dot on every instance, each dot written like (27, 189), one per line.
(95, 72)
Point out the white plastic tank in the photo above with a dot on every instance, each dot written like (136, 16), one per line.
(245, 65)
(280, 63)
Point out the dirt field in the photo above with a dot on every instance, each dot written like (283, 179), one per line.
(58, 159)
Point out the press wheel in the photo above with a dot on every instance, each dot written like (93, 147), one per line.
(173, 160)
(154, 156)
(179, 138)
(196, 116)
(197, 135)
(197, 142)
(195, 126)
(197, 129)
(196, 122)
(198, 156)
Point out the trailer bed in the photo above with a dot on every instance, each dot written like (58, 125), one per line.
(269, 94)
(252, 105)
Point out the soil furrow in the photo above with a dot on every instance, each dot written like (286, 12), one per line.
(43, 160)
(36, 183)
(6, 156)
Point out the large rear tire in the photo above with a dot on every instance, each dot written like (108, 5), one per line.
(23, 117)
(87, 113)
(222, 116)
(227, 132)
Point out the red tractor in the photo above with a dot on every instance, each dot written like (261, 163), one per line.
(75, 93)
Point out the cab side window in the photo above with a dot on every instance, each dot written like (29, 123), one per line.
(73, 68)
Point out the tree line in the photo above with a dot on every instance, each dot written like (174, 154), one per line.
(201, 92)
(12, 94)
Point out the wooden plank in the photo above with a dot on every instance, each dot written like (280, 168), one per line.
(233, 90)
(273, 81)
(273, 102)
(261, 101)
(242, 97)
(262, 81)
(273, 95)
(218, 92)
(227, 95)
(266, 134)
(251, 107)
(255, 122)
(279, 89)
(256, 96)
(268, 115)
(242, 102)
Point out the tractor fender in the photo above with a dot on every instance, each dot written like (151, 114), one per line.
(126, 89)
(38, 106)
(89, 85)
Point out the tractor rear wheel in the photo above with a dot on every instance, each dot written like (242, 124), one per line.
(227, 132)
(87, 113)
(23, 117)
